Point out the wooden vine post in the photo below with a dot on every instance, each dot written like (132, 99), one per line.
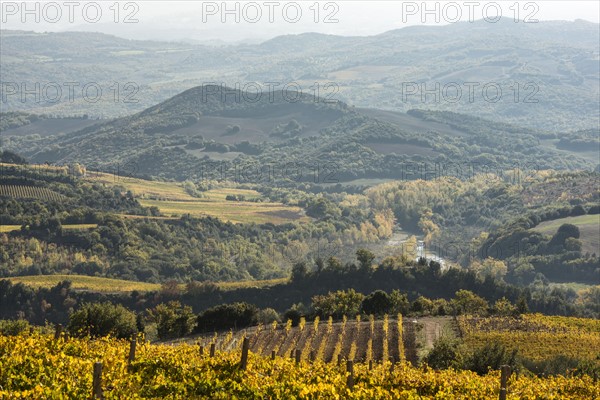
(504, 375)
(97, 381)
(57, 331)
(244, 360)
(132, 348)
(350, 371)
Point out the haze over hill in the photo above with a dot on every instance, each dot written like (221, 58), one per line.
(542, 75)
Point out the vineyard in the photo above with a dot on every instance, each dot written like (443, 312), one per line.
(535, 336)
(29, 192)
(37, 366)
(358, 340)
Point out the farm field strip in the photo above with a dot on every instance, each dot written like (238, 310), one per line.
(30, 192)
(237, 212)
(109, 285)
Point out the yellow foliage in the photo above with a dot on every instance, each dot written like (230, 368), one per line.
(37, 367)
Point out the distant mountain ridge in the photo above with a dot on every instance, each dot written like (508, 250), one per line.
(558, 60)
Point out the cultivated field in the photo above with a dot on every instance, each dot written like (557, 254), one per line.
(173, 201)
(29, 192)
(109, 285)
(362, 340)
(86, 283)
(37, 366)
(535, 336)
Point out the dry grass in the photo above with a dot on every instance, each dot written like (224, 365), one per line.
(589, 227)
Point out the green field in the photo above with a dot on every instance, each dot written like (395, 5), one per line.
(109, 285)
(589, 227)
(173, 201)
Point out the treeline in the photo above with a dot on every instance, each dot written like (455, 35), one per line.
(11, 158)
(395, 285)
(15, 119)
(173, 319)
(585, 140)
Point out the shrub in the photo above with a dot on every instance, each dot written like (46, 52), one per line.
(173, 320)
(337, 304)
(445, 354)
(490, 356)
(10, 327)
(467, 302)
(102, 319)
(227, 316)
(376, 303)
(295, 313)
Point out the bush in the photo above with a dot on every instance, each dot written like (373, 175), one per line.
(227, 316)
(377, 303)
(337, 304)
(102, 319)
(13, 327)
(491, 356)
(173, 320)
(444, 354)
(293, 315)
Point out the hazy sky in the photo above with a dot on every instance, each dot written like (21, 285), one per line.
(232, 21)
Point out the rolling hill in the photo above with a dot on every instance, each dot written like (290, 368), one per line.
(212, 132)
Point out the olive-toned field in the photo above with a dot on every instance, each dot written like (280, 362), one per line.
(109, 285)
(172, 200)
(588, 227)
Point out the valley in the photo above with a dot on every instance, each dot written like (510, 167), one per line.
(411, 212)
